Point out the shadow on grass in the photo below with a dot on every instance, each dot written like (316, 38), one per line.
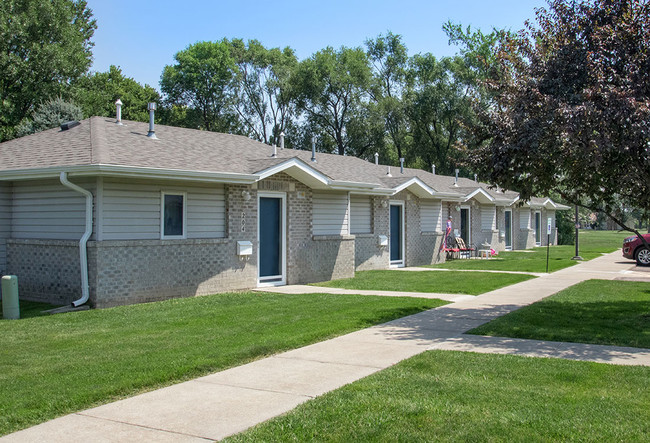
(618, 323)
(29, 309)
(447, 324)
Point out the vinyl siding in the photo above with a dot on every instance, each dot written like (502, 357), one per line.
(330, 213)
(430, 215)
(360, 215)
(131, 210)
(5, 222)
(524, 218)
(488, 217)
(48, 210)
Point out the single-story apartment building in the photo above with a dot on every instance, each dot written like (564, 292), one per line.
(110, 212)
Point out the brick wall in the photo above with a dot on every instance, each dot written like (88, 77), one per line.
(47, 270)
(368, 254)
(125, 272)
(311, 258)
(421, 248)
(136, 271)
(523, 238)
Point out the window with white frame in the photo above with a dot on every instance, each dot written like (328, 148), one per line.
(173, 215)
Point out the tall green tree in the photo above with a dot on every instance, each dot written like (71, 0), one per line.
(439, 111)
(390, 63)
(331, 86)
(264, 99)
(202, 81)
(572, 105)
(97, 93)
(44, 45)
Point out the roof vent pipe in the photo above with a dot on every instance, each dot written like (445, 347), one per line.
(401, 165)
(151, 107)
(275, 151)
(118, 112)
(433, 169)
(388, 174)
(377, 158)
(281, 140)
(456, 180)
(313, 149)
(476, 178)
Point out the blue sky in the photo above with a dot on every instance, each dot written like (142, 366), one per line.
(142, 36)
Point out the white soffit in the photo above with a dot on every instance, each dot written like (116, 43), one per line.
(480, 196)
(298, 170)
(417, 187)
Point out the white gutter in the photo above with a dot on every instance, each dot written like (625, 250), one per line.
(83, 255)
(127, 171)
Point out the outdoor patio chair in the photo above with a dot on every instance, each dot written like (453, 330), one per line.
(451, 247)
(463, 250)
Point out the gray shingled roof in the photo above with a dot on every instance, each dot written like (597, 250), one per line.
(99, 141)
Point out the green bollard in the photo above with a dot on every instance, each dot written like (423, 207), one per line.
(10, 304)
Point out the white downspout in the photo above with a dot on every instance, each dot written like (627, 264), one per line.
(83, 256)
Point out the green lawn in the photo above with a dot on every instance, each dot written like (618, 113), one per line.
(594, 311)
(474, 283)
(592, 245)
(455, 396)
(53, 365)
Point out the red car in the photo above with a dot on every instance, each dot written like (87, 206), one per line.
(633, 248)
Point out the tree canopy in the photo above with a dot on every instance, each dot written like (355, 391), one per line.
(202, 82)
(97, 93)
(264, 100)
(571, 109)
(44, 45)
(330, 86)
(48, 115)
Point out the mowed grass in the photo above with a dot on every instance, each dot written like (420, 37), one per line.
(53, 365)
(455, 396)
(474, 283)
(592, 245)
(595, 311)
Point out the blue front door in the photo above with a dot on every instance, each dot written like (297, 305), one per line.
(508, 227)
(396, 235)
(270, 238)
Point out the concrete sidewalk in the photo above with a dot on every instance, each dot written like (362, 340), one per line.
(305, 289)
(227, 402)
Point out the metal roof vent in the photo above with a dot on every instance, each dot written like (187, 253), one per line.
(313, 149)
(388, 174)
(69, 125)
(433, 169)
(281, 140)
(118, 112)
(401, 165)
(151, 107)
(377, 158)
(456, 180)
(476, 178)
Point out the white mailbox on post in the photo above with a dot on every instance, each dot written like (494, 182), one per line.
(244, 248)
